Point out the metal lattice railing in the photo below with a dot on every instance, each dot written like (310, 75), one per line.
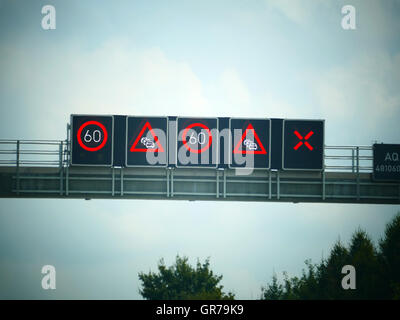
(56, 153)
(52, 153)
(348, 158)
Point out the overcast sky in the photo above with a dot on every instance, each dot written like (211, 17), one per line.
(277, 58)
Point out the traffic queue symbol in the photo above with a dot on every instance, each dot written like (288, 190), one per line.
(146, 144)
(197, 139)
(95, 137)
(300, 143)
(250, 146)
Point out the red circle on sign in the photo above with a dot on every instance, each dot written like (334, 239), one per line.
(197, 125)
(101, 127)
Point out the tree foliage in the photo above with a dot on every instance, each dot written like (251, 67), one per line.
(377, 271)
(181, 281)
(390, 257)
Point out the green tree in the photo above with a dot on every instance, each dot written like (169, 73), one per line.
(181, 281)
(272, 291)
(377, 271)
(364, 258)
(307, 286)
(390, 258)
(329, 286)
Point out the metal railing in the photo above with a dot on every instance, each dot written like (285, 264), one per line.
(349, 186)
(56, 153)
(348, 158)
(36, 153)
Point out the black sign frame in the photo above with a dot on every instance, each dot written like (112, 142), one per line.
(111, 139)
(375, 146)
(231, 144)
(322, 168)
(216, 146)
(127, 142)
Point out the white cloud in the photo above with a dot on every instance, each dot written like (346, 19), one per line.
(115, 78)
(278, 107)
(299, 11)
(229, 94)
(363, 94)
(234, 90)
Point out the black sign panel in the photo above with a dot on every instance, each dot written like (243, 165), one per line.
(197, 142)
(92, 140)
(303, 145)
(250, 143)
(224, 141)
(386, 162)
(276, 144)
(146, 141)
(119, 146)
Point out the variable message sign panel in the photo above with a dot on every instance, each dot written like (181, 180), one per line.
(303, 145)
(140, 141)
(92, 140)
(250, 143)
(386, 162)
(146, 141)
(197, 142)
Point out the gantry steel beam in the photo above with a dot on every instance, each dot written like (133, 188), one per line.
(194, 184)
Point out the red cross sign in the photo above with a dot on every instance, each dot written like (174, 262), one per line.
(301, 138)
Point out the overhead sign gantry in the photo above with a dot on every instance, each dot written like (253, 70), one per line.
(183, 158)
(144, 142)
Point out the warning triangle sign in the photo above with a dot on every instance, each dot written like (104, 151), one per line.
(251, 147)
(147, 144)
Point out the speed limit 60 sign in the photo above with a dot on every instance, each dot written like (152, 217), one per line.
(197, 142)
(92, 140)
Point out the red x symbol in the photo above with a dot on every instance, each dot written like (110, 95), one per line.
(301, 138)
